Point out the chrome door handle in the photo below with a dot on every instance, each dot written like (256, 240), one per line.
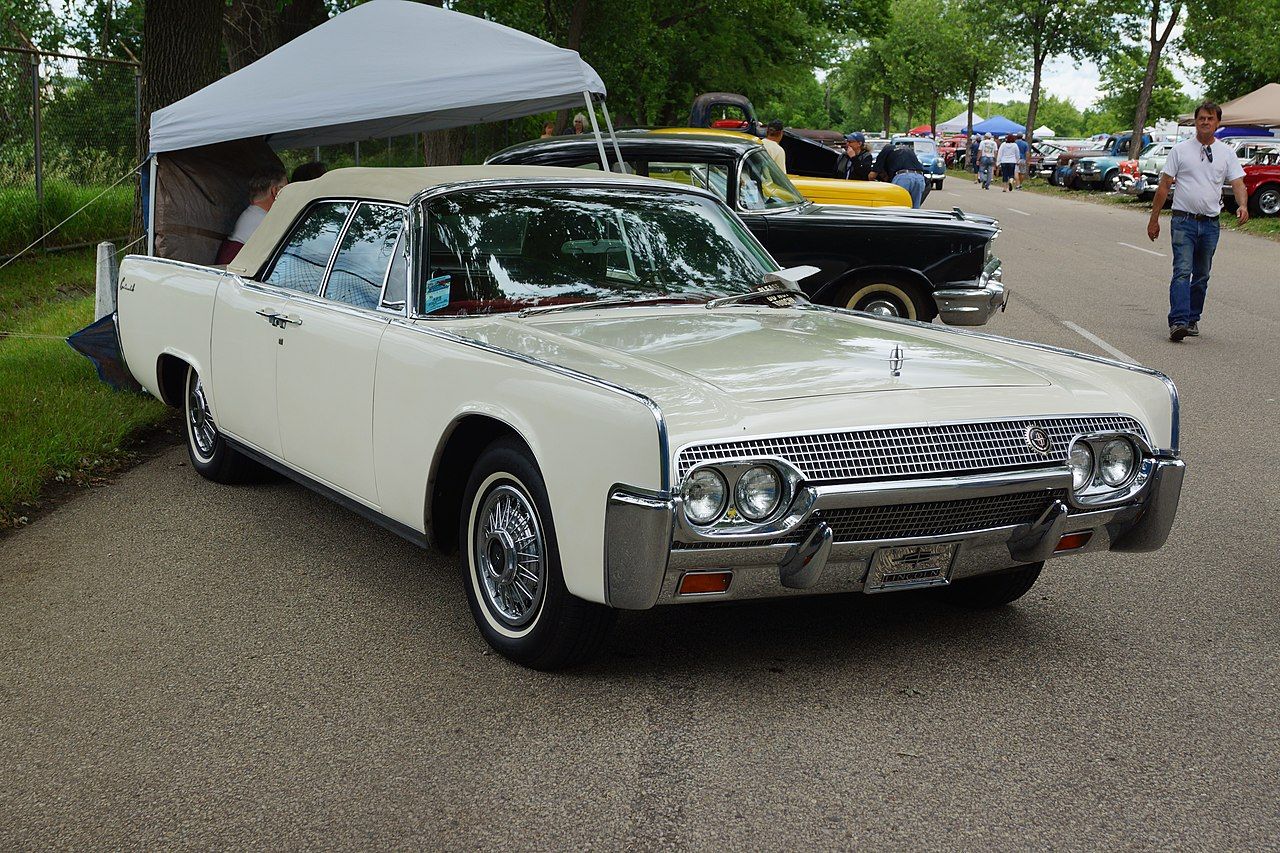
(277, 319)
(285, 318)
(267, 313)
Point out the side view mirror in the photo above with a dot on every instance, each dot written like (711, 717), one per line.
(791, 276)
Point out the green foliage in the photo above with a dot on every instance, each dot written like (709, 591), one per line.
(1122, 76)
(107, 218)
(1238, 42)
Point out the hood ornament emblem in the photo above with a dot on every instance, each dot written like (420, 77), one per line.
(896, 357)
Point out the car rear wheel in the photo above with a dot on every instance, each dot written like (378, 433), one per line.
(1111, 181)
(990, 591)
(1266, 200)
(511, 566)
(888, 298)
(210, 454)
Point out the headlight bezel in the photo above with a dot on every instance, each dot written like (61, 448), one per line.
(1097, 492)
(740, 502)
(731, 521)
(1130, 469)
(722, 505)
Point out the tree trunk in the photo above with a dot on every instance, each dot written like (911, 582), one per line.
(183, 40)
(1037, 68)
(253, 28)
(1156, 45)
(973, 94)
(933, 116)
(573, 41)
(888, 104)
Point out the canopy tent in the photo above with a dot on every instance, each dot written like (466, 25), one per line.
(920, 130)
(384, 68)
(1260, 107)
(959, 123)
(999, 125)
(1043, 132)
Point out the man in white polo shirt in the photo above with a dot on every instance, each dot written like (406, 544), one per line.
(1200, 165)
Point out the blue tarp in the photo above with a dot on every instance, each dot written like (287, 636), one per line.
(998, 125)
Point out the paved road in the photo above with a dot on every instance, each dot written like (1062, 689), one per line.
(188, 665)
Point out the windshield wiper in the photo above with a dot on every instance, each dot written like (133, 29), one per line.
(778, 297)
(601, 303)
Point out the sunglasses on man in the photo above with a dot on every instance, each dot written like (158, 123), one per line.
(1206, 151)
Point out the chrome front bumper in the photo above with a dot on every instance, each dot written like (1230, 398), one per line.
(642, 568)
(973, 306)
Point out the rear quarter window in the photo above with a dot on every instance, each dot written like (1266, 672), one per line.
(302, 261)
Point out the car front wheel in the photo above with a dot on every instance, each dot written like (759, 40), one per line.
(889, 298)
(990, 591)
(511, 567)
(210, 454)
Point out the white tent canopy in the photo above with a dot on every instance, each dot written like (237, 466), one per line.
(1044, 132)
(959, 123)
(384, 68)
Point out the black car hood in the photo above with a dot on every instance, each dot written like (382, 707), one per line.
(898, 216)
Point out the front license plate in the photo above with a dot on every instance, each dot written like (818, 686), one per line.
(910, 566)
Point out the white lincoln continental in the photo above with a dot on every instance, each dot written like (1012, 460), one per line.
(603, 393)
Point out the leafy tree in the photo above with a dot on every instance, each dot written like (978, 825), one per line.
(1122, 77)
(1048, 28)
(985, 58)
(1157, 38)
(1237, 40)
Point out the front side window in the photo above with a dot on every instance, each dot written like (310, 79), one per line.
(500, 250)
(707, 176)
(304, 258)
(764, 186)
(367, 249)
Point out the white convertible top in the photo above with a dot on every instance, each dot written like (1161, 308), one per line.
(397, 186)
(384, 68)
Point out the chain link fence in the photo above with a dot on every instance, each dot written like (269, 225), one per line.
(68, 132)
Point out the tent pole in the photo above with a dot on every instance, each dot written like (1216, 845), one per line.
(613, 136)
(151, 207)
(595, 128)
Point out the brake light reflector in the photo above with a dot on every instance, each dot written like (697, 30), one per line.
(1073, 540)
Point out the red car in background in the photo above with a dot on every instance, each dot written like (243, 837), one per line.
(952, 146)
(1262, 183)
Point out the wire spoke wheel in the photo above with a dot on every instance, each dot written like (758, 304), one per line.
(510, 556)
(204, 434)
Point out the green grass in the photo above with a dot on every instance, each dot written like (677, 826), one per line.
(108, 217)
(57, 421)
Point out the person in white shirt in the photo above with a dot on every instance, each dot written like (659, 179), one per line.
(264, 186)
(1201, 166)
(986, 159)
(772, 136)
(1008, 159)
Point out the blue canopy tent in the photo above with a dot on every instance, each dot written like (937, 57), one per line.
(998, 126)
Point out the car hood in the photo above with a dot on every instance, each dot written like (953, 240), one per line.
(893, 217)
(749, 353)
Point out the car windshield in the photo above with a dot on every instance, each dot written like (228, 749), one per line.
(1153, 149)
(922, 146)
(500, 250)
(763, 186)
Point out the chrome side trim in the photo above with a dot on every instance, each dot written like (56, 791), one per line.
(1174, 436)
(664, 442)
(613, 182)
(637, 545)
(152, 259)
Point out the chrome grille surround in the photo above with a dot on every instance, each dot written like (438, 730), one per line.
(914, 451)
(913, 521)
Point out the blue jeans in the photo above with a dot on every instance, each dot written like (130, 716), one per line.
(912, 182)
(1194, 242)
(984, 171)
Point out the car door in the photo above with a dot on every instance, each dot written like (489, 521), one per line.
(325, 370)
(251, 325)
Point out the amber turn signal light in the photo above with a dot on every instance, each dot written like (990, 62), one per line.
(1073, 540)
(704, 583)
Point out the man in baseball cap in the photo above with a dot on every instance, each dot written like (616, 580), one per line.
(855, 163)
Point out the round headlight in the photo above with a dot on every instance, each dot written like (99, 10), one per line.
(1080, 461)
(758, 491)
(705, 494)
(1116, 461)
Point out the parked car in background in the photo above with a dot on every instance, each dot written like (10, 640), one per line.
(917, 264)
(1141, 176)
(603, 394)
(953, 149)
(1261, 182)
(1042, 157)
(935, 167)
(1100, 169)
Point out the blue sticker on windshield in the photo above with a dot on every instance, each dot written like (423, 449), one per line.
(437, 295)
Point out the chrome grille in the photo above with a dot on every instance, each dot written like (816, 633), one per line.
(918, 451)
(912, 521)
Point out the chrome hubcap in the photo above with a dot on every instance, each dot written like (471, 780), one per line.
(1269, 202)
(510, 556)
(200, 419)
(883, 307)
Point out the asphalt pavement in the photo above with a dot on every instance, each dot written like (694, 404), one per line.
(185, 665)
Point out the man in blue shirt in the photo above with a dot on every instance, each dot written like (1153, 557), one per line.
(1022, 160)
(899, 165)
